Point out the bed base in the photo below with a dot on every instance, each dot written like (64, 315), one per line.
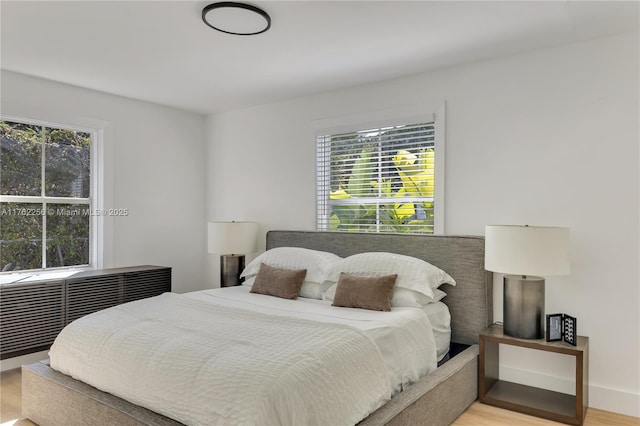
(52, 398)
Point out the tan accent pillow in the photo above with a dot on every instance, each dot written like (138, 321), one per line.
(278, 282)
(373, 293)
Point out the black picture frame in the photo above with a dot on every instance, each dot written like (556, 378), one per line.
(562, 327)
(554, 327)
(569, 329)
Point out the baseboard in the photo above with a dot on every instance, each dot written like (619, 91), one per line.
(600, 397)
(618, 401)
(17, 362)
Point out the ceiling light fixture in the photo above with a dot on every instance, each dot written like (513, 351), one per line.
(236, 18)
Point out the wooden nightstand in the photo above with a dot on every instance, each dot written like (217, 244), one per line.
(538, 402)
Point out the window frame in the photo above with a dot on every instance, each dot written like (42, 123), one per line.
(95, 200)
(380, 119)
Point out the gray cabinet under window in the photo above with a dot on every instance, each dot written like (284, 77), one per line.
(32, 314)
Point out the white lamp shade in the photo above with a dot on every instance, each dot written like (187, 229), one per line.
(527, 250)
(232, 237)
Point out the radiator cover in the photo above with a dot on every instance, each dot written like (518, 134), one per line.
(32, 314)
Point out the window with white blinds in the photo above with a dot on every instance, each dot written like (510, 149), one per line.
(377, 180)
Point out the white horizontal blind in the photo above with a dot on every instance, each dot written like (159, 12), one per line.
(377, 180)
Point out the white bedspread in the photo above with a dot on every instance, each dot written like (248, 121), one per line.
(230, 357)
(404, 336)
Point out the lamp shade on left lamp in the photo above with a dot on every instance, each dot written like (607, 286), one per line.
(232, 240)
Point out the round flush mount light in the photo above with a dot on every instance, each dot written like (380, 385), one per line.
(236, 18)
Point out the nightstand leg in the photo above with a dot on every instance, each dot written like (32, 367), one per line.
(489, 366)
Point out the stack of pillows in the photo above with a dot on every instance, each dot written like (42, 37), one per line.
(373, 280)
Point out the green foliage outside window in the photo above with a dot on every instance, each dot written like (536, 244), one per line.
(66, 160)
(415, 172)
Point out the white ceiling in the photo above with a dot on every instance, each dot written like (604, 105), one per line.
(160, 51)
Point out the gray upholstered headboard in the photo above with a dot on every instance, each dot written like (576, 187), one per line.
(462, 257)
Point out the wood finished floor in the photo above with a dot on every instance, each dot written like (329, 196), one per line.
(476, 415)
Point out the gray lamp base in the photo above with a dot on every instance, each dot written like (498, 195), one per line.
(523, 314)
(231, 266)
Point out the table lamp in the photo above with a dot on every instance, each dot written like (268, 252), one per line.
(525, 254)
(232, 240)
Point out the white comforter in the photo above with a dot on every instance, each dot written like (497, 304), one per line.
(202, 359)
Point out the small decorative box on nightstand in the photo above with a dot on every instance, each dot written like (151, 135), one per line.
(538, 402)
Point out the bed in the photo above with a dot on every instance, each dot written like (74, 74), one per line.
(50, 397)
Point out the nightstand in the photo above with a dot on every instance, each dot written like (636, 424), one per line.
(551, 405)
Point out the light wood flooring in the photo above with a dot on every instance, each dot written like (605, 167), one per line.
(476, 415)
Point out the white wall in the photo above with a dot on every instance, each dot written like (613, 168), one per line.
(153, 166)
(544, 138)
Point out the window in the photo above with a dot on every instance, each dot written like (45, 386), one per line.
(380, 179)
(46, 199)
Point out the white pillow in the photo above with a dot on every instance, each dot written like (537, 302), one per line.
(413, 274)
(309, 289)
(313, 290)
(402, 297)
(317, 263)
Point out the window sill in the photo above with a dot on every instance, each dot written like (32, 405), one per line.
(26, 277)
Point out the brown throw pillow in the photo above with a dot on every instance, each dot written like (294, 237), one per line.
(373, 293)
(278, 282)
